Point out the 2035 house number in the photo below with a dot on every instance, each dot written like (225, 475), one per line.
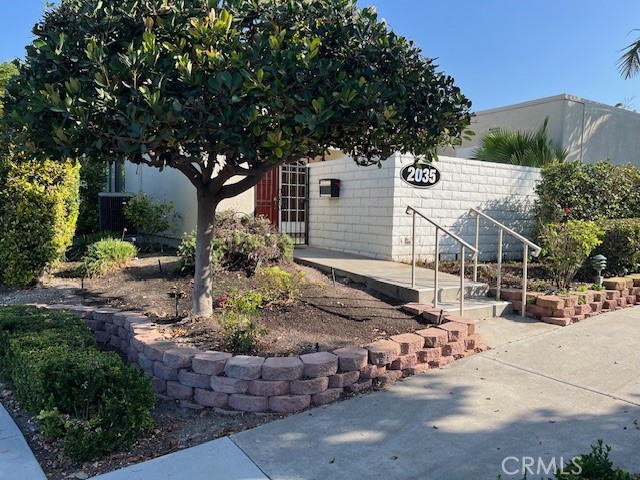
(420, 176)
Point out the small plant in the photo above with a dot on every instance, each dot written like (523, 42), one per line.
(597, 287)
(107, 255)
(247, 302)
(78, 248)
(566, 246)
(277, 284)
(582, 300)
(593, 465)
(150, 217)
(582, 288)
(241, 334)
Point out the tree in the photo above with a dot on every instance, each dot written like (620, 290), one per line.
(532, 149)
(7, 72)
(224, 88)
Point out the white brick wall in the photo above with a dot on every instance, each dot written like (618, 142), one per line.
(369, 217)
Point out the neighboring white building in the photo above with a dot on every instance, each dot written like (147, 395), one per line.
(591, 131)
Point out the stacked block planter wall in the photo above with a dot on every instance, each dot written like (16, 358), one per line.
(277, 384)
(564, 310)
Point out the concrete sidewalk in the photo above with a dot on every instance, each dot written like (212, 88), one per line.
(543, 392)
(546, 393)
(16, 459)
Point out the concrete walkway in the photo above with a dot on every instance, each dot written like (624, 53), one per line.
(16, 460)
(544, 393)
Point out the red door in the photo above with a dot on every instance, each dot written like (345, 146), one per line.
(267, 197)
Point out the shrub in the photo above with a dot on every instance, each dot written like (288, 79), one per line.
(277, 284)
(566, 246)
(38, 213)
(240, 243)
(78, 248)
(241, 334)
(591, 191)
(243, 302)
(150, 217)
(621, 245)
(89, 398)
(107, 255)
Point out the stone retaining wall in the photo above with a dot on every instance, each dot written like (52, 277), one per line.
(276, 384)
(564, 310)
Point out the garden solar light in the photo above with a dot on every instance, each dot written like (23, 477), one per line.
(599, 262)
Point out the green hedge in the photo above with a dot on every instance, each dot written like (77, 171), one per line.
(38, 213)
(89, 398)
(591, 192)
(621, 245)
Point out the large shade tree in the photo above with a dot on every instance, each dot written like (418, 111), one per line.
(224, 88)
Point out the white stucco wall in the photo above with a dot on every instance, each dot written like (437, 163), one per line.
(170, 185)
(369, 217)
(591, 131)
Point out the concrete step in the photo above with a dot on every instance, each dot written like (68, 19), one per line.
(478, 308)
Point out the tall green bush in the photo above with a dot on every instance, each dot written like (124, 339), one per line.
(591, 191)
(621, 245)
(38, 213)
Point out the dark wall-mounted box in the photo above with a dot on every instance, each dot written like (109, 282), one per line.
(330, 187)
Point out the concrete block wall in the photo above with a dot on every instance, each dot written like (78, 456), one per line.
(504, 192)
(359, 221)
(369, 216)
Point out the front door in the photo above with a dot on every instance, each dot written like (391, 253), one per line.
(282, 197)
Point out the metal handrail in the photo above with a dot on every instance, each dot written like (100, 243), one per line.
(525, 256)
(462, 243)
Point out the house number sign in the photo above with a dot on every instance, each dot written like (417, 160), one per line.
(420, 175)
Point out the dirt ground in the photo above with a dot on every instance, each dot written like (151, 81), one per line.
(325, 317)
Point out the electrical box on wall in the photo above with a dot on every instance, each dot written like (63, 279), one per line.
(330, 187)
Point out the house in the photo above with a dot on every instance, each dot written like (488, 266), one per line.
(366, 211)
(589, 130)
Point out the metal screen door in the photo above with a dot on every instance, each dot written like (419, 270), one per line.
(294, 188)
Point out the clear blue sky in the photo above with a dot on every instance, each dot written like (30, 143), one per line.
(499, 51)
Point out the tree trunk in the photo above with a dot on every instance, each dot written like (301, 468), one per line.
(202, 280)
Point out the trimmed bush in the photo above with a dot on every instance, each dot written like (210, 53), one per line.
(590, 192)
(621, 245)
(107, 255)
(89, 398)
(38, 213)
(241, 241)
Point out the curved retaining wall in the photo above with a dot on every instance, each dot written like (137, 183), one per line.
(276, 384)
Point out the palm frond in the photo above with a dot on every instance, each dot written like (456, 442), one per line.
(532, 149)
(629, 63)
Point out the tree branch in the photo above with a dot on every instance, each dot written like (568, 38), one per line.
(231, 190)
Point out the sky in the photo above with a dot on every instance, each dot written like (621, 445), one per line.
(500, 52)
